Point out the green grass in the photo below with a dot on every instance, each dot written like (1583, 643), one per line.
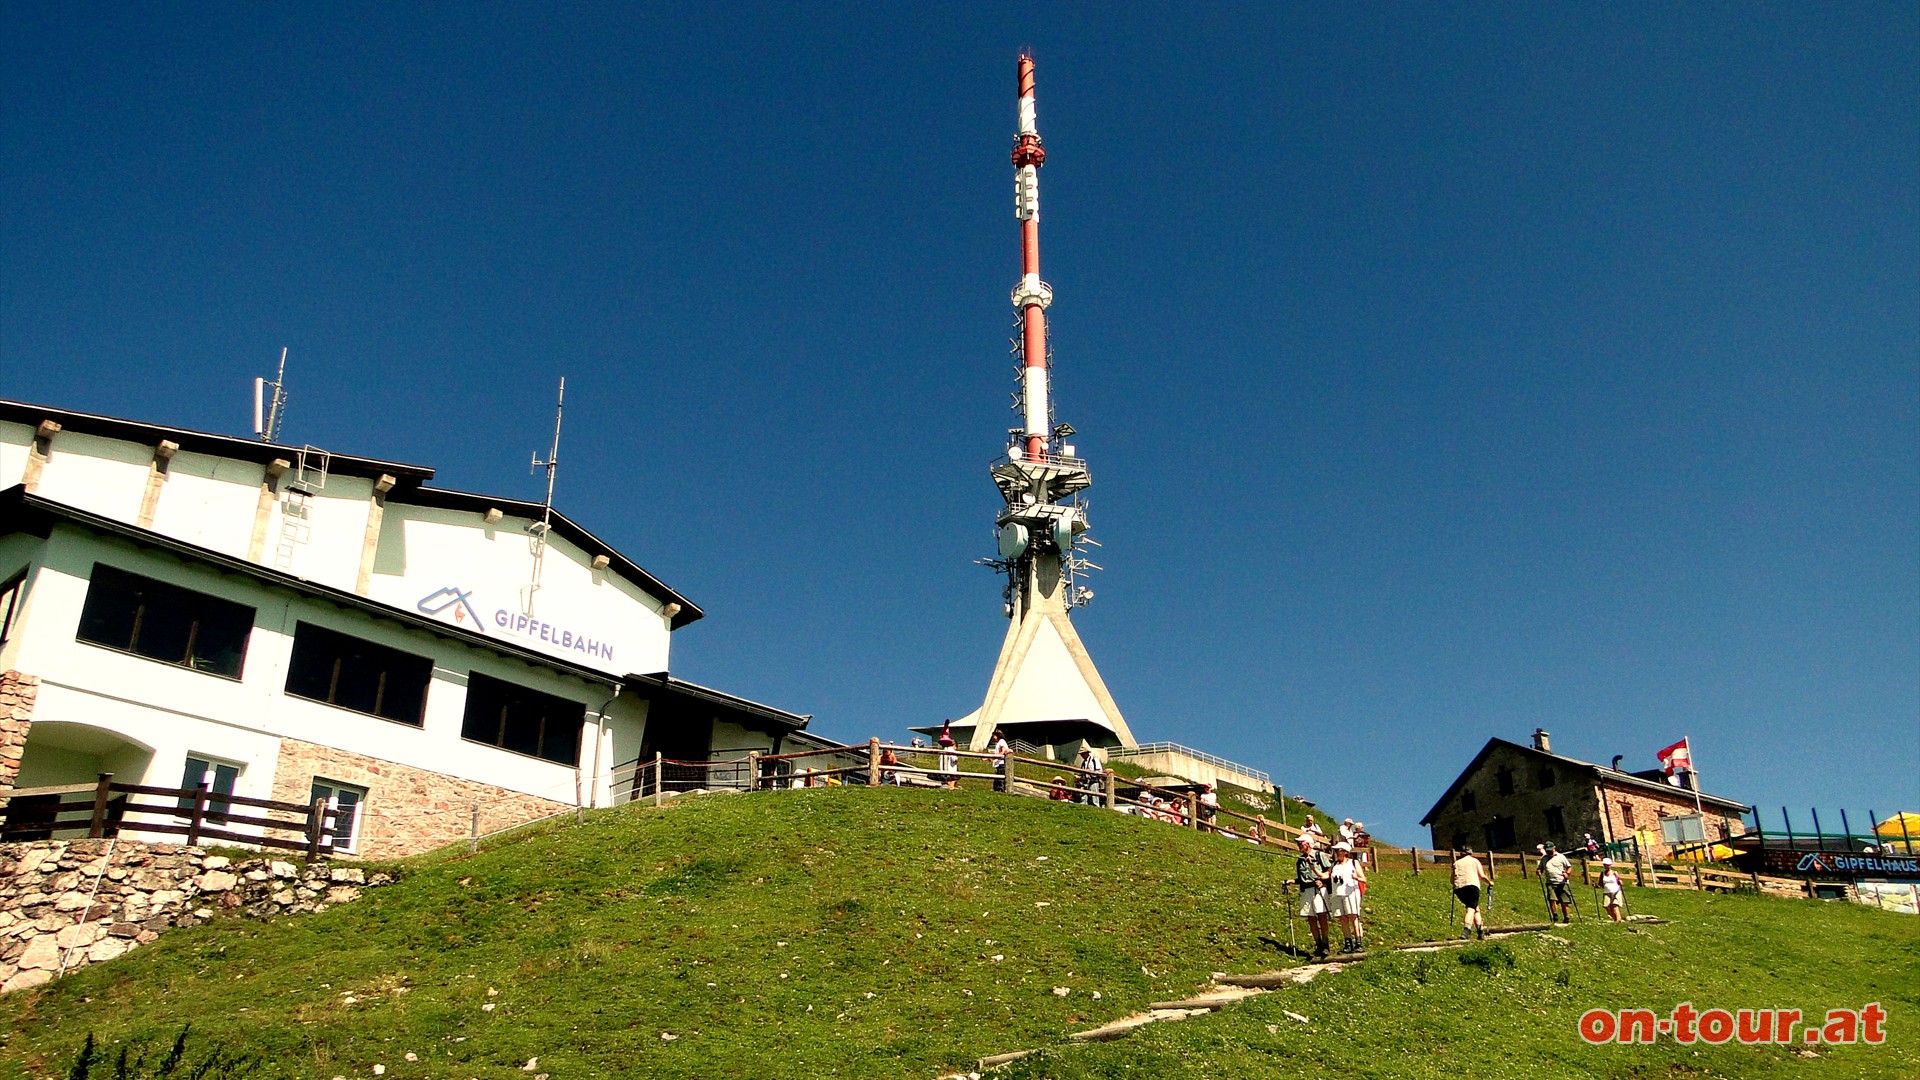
(895, 933)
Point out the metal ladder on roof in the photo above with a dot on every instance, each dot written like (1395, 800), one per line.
(296, 505)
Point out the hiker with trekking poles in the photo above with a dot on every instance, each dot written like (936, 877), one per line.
(1612, 896)
(1313, 873)
(1469, 877)
(1554, 886)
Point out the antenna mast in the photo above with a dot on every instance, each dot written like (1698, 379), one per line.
(539, 528)
(267, 412)
(552, 464)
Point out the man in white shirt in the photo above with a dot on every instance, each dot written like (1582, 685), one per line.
(1553, 875)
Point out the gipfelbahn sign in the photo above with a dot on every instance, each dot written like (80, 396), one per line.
(1841, 864)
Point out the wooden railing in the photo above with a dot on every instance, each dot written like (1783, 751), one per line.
(195, 814)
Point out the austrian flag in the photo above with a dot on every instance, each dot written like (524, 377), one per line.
(1676, 757)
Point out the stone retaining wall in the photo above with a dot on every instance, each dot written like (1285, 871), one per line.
(79, 902)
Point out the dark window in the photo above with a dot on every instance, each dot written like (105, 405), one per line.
(1499, 833)
(1468, 803)
(523, 721)
(10, 596)
(219, 776)
(1545, 776)
(165, 622)
(358, 675)
(345, 800)
(1504, 779)
(1556, 822)
(1626, 813)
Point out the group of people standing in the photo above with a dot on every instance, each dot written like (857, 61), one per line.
(1332, 885)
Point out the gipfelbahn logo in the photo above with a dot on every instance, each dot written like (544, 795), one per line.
(553, 636)
(460, 601)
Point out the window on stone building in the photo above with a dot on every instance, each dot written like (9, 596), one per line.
(10, 595)
(1468, 803)
(522, 720)
(1499, 833)
(345, 800)
(1626, 813)
(1545, 777)
(1504, 780)
(165, 622)
(334, 668)
(1556, 822)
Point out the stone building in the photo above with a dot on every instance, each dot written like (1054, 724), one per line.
(1511, 797)
(279, 622)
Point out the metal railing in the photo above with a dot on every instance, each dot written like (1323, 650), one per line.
(1188, 751)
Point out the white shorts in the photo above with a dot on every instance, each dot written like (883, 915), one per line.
(1339, 904)
(1313, 901)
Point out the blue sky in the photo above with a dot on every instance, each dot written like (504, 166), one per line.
(1443, 373)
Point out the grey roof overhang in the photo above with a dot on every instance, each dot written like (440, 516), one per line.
(409, 487)
(25, 513)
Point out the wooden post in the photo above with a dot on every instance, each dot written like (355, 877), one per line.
(1193, 810)
(753, 770)
(579, 797)
(315, 827)
(659, 775)
(1106, 782)
(1584, 879)
(199, 817)
(473, 829)
(873, 762)
(97, 825)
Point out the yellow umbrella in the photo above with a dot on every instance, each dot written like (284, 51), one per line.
(1893, 827)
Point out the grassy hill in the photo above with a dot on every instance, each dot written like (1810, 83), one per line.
(898, 933)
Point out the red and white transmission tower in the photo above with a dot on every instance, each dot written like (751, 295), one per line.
(1045, 689)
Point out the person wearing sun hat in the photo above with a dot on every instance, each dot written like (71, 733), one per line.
(1345, 898)
(1611, 894)
(1311, 873)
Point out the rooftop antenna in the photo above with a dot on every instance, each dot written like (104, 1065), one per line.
(268, 412)
(552, 464)
(539, 528)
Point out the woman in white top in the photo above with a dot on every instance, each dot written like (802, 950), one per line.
(1344, 901)
(1611, 894)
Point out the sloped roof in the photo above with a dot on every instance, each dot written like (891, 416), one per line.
(1601, 772)
(410, 482)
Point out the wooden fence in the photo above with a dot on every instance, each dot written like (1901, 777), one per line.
(1644, 875)
(195, 814)
(921, 766)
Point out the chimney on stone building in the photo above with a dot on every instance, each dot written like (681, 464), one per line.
(1540, 742)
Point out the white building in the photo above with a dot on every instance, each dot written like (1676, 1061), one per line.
(176, 605)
